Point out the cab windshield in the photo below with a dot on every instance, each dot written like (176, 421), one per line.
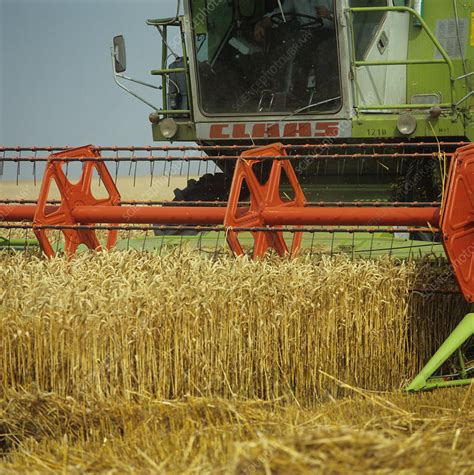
(291, 68)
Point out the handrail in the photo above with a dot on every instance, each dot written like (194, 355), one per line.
(174, 111)
(161, 72)
(162, 25)
(399, 62)
(173, 21)
(406, 106)
(446, 59)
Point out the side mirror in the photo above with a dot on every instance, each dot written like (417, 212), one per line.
(120, 56)
(247, 8)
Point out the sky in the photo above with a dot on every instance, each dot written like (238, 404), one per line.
(56, 83)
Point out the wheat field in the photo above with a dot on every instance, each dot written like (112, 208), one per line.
(368, 433)
(132, 362)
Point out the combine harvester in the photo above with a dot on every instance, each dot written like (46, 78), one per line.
(345, 130)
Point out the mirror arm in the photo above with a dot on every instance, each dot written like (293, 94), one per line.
(156, 109)
(121, 76)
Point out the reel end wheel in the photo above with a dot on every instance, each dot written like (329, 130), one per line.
(262, 196)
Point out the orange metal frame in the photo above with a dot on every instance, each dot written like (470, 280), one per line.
(268, 210)
(73, 195)
(457, 222)
(262, 196)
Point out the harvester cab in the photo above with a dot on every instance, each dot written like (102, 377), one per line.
(262, 71)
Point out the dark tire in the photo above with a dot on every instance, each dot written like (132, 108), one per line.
(420, 181)
(210, 187)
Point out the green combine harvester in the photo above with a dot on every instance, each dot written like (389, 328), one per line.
(375, 78)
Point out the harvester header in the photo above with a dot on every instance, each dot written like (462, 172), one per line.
(276, 215)
(346, 127)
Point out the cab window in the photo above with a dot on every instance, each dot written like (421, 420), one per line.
(366, 25)
(212, 20)
(293, 68)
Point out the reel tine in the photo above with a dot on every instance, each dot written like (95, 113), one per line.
(134, 163)
(26, 240)
(130, 167)
(152, 172)
(2, 163)
(371, 245)
(144, 240)
(353, 246)
(165, 163)
(217, 244)
(391, 245)
(34, 168)
(152, 167)
(34, 173)
(169, 174)
(18, 168)
(410, 250)
(182, 164)
(57, 239)
(312, 245)
(117, 164)
(128, 239)
(332, 243)
(162, 243)
(203, 159)
(200, 242)
(433, 239)
(99, 177)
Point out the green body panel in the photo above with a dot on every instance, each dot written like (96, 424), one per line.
(371, 126)
(17, 243)
(428, 79)
(385, 126)
(433, 79)
(186, 132)
(431, 70)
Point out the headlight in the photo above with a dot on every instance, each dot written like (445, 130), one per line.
(168, 128)
(154, 118)
(406, 124)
